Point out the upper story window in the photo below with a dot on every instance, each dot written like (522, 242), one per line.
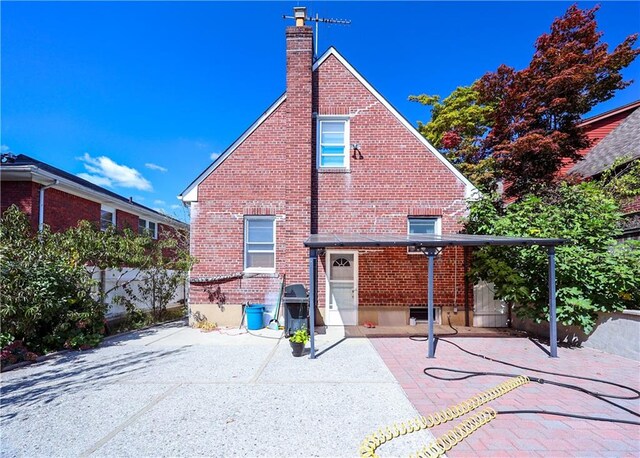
(148, 227)
(422, 226)
(260, 244)
(107, 217)
(333, 143)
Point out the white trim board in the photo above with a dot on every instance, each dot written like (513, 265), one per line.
(470, 189)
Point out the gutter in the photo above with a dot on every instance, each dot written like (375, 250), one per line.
(41, 203)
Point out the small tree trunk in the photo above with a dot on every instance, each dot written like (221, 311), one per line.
(103, 287)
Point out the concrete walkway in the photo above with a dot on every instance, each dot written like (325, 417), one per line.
(523, 434)
(175, 391)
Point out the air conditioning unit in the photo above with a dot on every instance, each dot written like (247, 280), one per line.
(421, 314)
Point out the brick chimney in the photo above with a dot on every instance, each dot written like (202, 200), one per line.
(299, 146)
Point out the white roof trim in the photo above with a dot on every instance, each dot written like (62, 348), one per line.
(188, 195)
(470, 189)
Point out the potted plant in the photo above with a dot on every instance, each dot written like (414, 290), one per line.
(298, 340)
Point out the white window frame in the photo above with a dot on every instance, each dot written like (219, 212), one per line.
(437, 228)
(154, 234)
(347, 141)
(245, 243)
(106, 208)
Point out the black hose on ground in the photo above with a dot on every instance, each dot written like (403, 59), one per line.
(600, 396)
(424, 338)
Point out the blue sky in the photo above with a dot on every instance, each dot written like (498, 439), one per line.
(140, 96)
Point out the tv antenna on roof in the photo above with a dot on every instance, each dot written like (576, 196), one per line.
(300, 13)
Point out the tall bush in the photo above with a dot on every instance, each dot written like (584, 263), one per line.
(595, 273)
(46, 296)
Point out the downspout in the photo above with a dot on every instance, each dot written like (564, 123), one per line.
(41, 206)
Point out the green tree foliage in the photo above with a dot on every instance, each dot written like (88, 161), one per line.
(100, 250)
(622, 179)
(169, 263)
(457, 128)
(594, 272)
(534, 123)
(49, 298)
(46, 296)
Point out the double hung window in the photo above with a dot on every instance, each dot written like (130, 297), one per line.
(260, 244)
(107, 217)
(333, 143)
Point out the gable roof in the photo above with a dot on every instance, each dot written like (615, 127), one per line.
(607, 114)
(22, 161)
(623, 141)
(190, 193)
(470, 188)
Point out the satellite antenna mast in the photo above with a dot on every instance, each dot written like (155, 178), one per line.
(317, 20)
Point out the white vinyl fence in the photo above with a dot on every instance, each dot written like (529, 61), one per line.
(135, 277)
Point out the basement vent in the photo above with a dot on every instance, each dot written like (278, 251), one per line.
(421, 314)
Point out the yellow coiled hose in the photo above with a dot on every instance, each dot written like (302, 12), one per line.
(446, 442)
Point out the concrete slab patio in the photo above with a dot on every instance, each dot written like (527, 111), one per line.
(523, 434)
(175, 391)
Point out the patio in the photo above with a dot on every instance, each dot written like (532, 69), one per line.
(523, 434)
(175, 391)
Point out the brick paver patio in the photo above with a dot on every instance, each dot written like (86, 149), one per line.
(522, 434)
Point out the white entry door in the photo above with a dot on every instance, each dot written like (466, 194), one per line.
(342, 288)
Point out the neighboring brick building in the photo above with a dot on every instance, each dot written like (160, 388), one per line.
(68, 199)
(331, 155)
(615, 135)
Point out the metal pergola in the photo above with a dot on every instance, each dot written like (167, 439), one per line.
(430, 246)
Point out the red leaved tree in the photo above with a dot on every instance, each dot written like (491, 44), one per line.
(537, 109)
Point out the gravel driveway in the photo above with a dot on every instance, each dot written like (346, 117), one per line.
(175, 391)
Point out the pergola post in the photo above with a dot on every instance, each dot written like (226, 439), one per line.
(313, 257)
(431, 254)
(553, 325)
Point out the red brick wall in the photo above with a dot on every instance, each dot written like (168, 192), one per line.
(396, 178)
(24, 194)
(63, 210)
(269, 174)
(632, 205)
(126, 220)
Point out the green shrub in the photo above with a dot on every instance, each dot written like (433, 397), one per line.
(46, 296)
(595, 273)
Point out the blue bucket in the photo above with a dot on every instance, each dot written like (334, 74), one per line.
(254, 316)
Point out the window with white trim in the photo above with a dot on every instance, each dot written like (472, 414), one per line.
(147, 227)
(107, 217)
(260, 243)
(422, 226)
(333, 143)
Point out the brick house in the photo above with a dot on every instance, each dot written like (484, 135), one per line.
(329, 155)
(48, 195)
(59, 199)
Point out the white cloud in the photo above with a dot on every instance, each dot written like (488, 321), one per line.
(95, 179)
(159, 202)
(214, 156)
(4, 148)
(176, 207)
(159, 168)
(105, 172)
